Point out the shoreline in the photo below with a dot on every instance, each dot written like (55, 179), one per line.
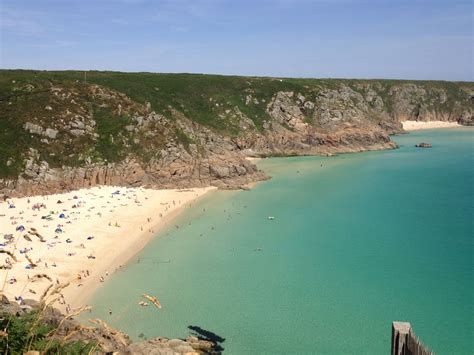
(125, 255)
(109, 256)
(418, 125)
(117, 236)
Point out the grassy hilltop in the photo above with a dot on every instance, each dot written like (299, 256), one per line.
(31, 101)
(191, 93)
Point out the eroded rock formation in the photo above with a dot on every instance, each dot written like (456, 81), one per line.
(61, 135)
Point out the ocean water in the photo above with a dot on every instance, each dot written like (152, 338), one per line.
(358, 241)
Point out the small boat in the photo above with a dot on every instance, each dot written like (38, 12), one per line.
(271, 218)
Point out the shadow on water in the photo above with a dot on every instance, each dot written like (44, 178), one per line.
(203, 334)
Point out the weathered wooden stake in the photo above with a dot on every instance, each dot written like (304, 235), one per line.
(405, 342)
(400, 331)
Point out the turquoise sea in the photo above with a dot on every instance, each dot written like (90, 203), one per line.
(358, 241)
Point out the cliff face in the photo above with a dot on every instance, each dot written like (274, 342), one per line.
(58, 132)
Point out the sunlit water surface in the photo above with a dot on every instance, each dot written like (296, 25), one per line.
(358, 241)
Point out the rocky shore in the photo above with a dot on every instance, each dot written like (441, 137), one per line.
(62, 135)
(63, 329)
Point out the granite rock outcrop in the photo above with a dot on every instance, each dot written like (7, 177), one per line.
(107, 339)
(60, 134)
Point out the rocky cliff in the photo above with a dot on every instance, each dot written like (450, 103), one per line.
(59, 131)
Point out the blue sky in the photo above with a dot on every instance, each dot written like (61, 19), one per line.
(302, 38)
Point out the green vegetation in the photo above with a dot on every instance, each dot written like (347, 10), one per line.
(214, 101)
(12, 136)
(26, 333)
(183, 138)
(196, 95)
(110, 128)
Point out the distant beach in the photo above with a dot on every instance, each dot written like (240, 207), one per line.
(416, 125)
(80, 237)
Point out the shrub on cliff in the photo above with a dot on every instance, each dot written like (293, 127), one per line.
(27, 332)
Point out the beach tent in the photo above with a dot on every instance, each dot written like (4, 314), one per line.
(58, 230)
(20, 228)
(62, 215)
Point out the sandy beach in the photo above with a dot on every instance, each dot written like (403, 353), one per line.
(415, 125)
(80, 237)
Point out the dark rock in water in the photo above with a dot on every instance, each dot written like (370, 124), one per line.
(423, 145)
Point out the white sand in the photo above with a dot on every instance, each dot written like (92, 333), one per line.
(120, 224)
(415, 125)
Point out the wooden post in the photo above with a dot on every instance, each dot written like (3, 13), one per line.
(400, 331)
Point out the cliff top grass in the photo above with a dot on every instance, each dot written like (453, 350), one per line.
(196, 95)
(205, 99)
